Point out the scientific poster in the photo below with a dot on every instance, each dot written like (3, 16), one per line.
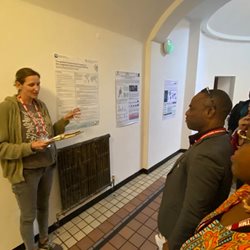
(170, 99)
(77, 85)
(127, 98)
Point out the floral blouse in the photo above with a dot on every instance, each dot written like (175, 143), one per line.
(211, 234)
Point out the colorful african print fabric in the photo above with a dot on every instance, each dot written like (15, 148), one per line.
(210, 234)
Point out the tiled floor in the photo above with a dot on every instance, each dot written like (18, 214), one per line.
(126, 219)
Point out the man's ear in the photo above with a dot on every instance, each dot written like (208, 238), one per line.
(211, 111)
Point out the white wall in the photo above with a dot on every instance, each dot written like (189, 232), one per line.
(29, 37)
(165, 135)
(221, 58)
(192, 65)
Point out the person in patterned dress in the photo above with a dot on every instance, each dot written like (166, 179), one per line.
(228, 227)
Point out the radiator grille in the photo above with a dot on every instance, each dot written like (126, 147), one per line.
(84, 169)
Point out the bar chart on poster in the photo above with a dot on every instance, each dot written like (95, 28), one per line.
(77, 85)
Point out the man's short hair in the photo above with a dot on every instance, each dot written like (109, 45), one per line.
(221, 101)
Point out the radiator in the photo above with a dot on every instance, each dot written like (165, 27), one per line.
(84, 170)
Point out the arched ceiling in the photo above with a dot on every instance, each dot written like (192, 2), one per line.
(230, 22)
(136, 18)
(132, 18)
(193, 10)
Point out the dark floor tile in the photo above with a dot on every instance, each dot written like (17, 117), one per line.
(154, 205)
(151, 238)
(128, 246)
(161, 181)
(147, 192)
(142, 197)
(147, 245)
(117, 241)
(96, 234)
(158, 200)
(144, 231)
(105, 227)
(136, 201)
(153, 187)
(154, 216)
(75, 247)
(129, 207)
(141, 218)
(126, 232)
(85, 243)
(134, 224)
(122, 213)
(114, 219)
(137, 240)
(108, 247)
(139, 233)
(151, 223)
(148, 211)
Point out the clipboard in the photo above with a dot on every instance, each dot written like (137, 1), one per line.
(64, 136)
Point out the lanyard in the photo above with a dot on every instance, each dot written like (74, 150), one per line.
(34, 119)
(213, 132)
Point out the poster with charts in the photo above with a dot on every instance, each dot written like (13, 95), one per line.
(127, 98)
(169, 99)
(77, 85)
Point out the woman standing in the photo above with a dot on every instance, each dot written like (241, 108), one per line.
(228, 227)
(27, 156)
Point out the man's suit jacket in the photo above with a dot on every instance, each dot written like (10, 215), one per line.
(199, 181)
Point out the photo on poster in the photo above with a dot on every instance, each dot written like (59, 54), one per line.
(169, 99)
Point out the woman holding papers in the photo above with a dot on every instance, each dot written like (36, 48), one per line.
(27, 155)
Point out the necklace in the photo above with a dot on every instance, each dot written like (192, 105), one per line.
(38, 122)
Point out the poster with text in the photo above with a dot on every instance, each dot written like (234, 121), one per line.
(127, 98)
(77, 85)
(170, 99)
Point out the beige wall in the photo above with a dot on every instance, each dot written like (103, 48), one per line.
(165, 135)
(29, 37)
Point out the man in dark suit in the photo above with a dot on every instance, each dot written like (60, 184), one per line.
(201, 178)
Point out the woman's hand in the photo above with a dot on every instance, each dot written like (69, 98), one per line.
(75, 113)
(244, 123)
(39, 145)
